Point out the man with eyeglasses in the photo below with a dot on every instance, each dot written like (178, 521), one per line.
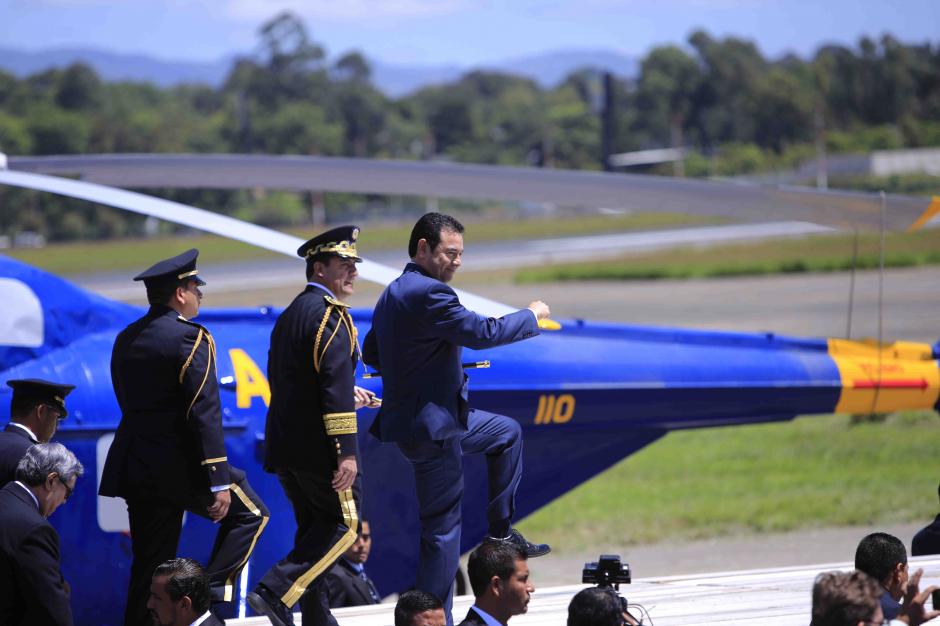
(35, 593)
(419, 330)
(36, 409)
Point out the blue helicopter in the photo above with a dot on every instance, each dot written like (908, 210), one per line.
(586, 394)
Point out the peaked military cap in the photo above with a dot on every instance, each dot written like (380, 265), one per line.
(340, 241)
(41, 392)
(173, 269)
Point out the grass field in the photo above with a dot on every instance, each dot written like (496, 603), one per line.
(817, 471)
(96, 256)
(823, 253)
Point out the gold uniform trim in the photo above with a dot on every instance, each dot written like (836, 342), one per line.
(345, 319)
(351, 519)
(335, 302)
(340, 423)
(230, 581)
(189, 360)
(210, 367)
(187, 274)
(342, 248)
(215, 460)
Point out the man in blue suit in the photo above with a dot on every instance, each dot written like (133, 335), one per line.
(419, 329)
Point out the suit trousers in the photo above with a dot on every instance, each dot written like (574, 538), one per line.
(156, 524)
(327, 524)
(438, 468)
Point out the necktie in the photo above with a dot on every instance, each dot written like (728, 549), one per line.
(368, 581)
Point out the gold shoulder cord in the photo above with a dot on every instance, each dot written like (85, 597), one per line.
(317, 353)
(210, 366)
(192, 353)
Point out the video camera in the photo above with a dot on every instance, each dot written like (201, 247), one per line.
(609, 573)
(606, 572)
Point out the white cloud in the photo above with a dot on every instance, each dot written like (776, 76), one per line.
(343, 10)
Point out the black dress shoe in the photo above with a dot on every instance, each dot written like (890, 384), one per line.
(264, 602)
(532, 550)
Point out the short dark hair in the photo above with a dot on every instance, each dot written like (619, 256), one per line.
(413, 603)
(844, 598)
(595, 606)
(21, 407)
(323, 257)
(492, 558)
(186, 577)
(878, 554)
(429, 228)
(160, 292)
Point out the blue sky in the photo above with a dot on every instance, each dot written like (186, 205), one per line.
(461, 32)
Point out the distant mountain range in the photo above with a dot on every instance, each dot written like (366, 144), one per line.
(548, 69)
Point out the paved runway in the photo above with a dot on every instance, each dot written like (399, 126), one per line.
(797, 304)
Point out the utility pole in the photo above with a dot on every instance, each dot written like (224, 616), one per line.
(608, 122)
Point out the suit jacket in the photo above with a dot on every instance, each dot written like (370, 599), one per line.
(14, 442)
(344, 587)
(311, 368)
(169, 440)
(473, 619)
(927, 539)
(34, 592)
(419, 329)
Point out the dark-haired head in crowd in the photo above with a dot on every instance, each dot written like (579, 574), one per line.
(419, 608)
(927, 539)
(499, 577)
(595, 606)
(179, 595)
(884, 558)
(846, 599)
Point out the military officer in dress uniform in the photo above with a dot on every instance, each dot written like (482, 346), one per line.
(310, 435)
(168, 454)
(36, 409)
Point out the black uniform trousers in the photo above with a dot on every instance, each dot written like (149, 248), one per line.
(156, 523)
(327, 525)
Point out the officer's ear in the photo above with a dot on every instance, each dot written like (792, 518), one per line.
(186, 603)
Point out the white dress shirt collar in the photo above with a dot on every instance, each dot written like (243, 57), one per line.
(201, 619)
(30, 492)
(31, 434)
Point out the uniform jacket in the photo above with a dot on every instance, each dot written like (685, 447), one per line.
(170, 435)
(34, 592)
(419, 329)
(344, 587)
(473, 619)
(311, 368)
(14, 442)
(927, 539)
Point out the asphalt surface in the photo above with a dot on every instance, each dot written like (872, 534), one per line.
(797, 304)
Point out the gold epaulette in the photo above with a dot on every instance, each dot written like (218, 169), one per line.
(340, 423)
(335, 302)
